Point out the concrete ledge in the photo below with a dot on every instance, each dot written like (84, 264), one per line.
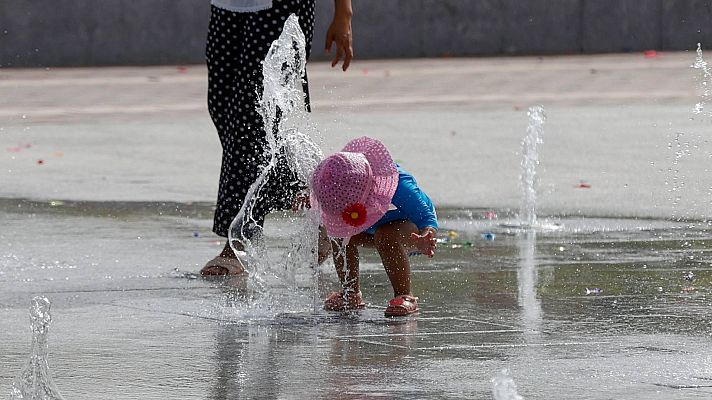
(43, 33)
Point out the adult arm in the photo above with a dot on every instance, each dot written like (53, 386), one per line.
(339, 33)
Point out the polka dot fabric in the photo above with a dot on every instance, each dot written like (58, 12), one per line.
(236, 47)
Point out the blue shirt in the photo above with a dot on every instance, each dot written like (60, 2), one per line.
(411, 203)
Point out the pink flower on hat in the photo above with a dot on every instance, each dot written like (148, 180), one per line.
(354, 187)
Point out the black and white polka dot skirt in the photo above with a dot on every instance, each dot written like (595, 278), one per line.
(237, 45)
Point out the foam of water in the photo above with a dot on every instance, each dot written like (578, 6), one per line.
(35, 381)
(290, 135)
(705, 83)
(503, 387)
(676, 184)
(529, 163)
(683, 145)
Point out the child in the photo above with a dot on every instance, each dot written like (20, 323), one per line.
(365, 199)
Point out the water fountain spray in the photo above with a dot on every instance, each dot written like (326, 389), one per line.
(504, 388)
(683, 144)
(530, 161)
(289, 134)
(701, 64)
(35, 381)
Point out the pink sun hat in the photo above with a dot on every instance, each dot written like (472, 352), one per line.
(354, 187)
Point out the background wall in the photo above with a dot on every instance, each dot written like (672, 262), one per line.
(41, 33)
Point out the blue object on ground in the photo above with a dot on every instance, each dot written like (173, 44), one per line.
(489, 236)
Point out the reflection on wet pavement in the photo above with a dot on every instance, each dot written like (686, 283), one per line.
(595, 308)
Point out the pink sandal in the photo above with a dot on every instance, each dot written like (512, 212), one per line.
(335, 302)
(399, 306)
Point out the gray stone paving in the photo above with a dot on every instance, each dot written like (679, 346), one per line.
(453, 123)
(119, 222)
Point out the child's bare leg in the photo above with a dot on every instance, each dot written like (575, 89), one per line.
(346, 260)
(393, 244)
(323, 246)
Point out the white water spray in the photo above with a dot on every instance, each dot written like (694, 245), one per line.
(676, 183)
(35, 381)
(705, 82)
(504, 388)
(289, 134)
(684, 145)
(530, 161)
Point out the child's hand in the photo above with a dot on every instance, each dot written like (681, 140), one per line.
(425, 241)
(301, 201)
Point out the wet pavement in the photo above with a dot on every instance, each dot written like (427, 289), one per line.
(607, 301)
(131, 319)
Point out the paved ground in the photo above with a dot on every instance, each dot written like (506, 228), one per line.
(118, 222)
(131, 322)
(144, 132)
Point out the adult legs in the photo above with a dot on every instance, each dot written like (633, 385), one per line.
(237, 44)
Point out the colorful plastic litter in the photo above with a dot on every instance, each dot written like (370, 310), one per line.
(489, 236)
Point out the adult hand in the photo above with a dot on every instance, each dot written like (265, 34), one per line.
(339, 33)
(425, 241)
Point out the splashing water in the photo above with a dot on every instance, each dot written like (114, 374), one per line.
(289, 134)
(527, 278)
(677, 182)
(35, 382)
(683, 145)
(503, 387)
(705, 83)
(530, 161)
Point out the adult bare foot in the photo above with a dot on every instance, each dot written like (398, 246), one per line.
(226, 263)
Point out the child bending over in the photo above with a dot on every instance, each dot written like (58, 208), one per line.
(366, 199)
